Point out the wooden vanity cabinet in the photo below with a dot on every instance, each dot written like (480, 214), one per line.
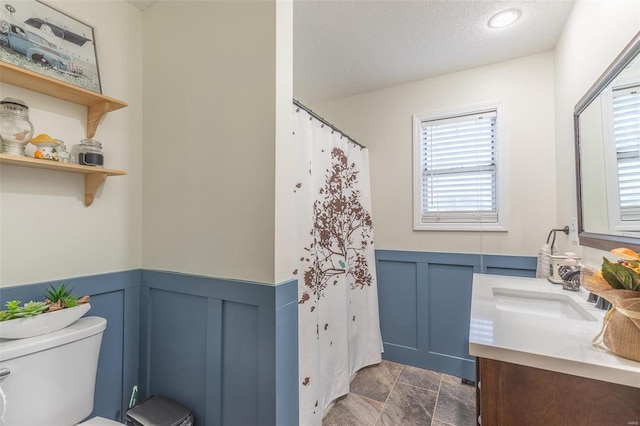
(510, 394)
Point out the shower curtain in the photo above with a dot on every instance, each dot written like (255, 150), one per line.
(339, 328)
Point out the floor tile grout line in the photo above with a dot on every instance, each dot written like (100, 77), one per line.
(435, 406)
(440, 375)
(384, 405)
(419, 387)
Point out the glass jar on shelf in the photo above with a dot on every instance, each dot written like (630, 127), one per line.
(63, 154)
(90, 153)
(15, 127)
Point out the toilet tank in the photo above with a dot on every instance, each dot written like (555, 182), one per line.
(51, 377)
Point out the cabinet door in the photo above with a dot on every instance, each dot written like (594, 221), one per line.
(517, 395)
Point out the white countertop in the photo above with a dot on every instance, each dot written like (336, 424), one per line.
(536, 340)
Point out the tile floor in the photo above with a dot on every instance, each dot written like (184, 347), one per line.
(392, 394)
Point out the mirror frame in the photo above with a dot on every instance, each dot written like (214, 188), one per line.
(591, 239)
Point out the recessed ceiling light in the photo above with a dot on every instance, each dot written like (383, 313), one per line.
(504, 18)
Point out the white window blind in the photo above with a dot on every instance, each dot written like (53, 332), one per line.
(626, 122)
(459, 169)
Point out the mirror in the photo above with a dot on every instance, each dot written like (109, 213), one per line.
(607, 138)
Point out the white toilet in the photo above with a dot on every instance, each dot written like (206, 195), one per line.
(50, 379)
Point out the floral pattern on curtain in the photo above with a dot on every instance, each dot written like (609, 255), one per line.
(339, 329)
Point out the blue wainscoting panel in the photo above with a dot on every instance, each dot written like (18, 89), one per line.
(516, 266)
(109, 392)
(208, 343)
(425, 305)
(228, 350)
(213, 375)
(178, 355)
(287, 353)
(114, 296)
(398, 293)
(240, 361)
(219, 358)
(449, 299)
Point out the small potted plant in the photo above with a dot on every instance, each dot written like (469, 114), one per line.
(59, 309)
(61, 297)
(619, 283)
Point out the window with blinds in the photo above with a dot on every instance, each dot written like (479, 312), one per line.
(626, 128)
(458, 171)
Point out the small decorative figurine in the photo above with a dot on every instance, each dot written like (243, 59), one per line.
(46, 147)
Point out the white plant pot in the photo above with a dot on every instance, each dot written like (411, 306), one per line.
(21, 328)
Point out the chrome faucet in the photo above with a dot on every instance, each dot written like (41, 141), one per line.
(571, 279)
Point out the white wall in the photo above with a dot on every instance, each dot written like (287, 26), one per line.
(46, 232)
(213, 172)
(209, 138)
(381, 120)
(284, 142)
(212, 120)
(595, 33)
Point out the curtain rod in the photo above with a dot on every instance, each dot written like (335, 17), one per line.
(325, 122)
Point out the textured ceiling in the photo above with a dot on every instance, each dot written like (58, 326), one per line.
(343, 48)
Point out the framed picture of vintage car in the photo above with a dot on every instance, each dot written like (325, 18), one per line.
(45, 40)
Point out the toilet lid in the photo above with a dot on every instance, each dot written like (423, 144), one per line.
(99, 421)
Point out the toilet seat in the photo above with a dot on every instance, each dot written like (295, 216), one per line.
(99, 421)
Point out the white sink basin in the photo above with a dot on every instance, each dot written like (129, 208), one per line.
(539, 303)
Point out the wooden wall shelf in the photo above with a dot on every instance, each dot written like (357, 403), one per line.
(97, 105)
(94, 177)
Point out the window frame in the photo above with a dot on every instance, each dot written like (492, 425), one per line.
(501, 182)
(626, 227)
